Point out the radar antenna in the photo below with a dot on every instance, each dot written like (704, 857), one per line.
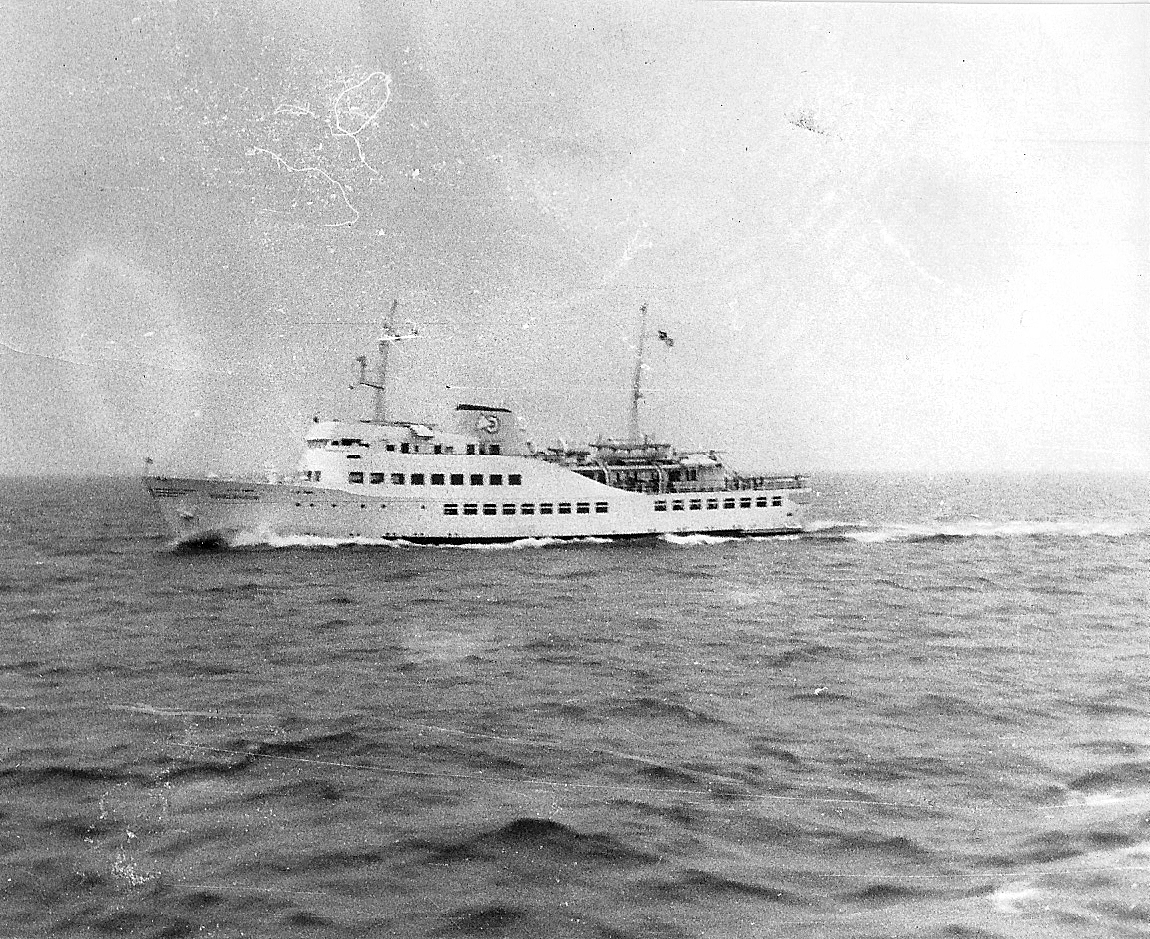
(388, 337)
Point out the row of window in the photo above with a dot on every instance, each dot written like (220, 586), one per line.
(490, 449)
(677, 505)
(436, 479)
(526, 508)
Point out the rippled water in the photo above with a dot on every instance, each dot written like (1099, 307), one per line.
(925, 717)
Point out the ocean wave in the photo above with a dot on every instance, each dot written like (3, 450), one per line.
(265, 540)
(693, 540)
(945, 531)
(522, 543)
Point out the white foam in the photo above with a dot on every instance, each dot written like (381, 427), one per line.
(1011, 898)
(697, 539)
(522, 543)
(982, 528)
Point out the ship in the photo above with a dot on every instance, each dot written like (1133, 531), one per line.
(479, 481)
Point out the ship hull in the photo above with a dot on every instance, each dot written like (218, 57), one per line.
(218, 512)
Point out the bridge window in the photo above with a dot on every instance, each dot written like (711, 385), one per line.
(494, 449)
(470, 508)
(514, 479)
(761, 502)
(405, 448)
(677, 505)
(744, 503)
(509, 508)
(391, 448)
(564, 508)
(490, 508)
(696, 504)
(437, 479)
(457, 479)
(600, 507)
(728, 503)
(417, 479)
(451, 508)
(495, 479)
(477, 479)
(546, 508)
(776, 501)
(437, 448)
(527, 508)
(583, 508)
(377, 478)
(471, 449)
(712, 503)
(355, 477)
(397, 479)
(661, 505)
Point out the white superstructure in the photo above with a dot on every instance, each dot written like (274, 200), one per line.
(479, 481)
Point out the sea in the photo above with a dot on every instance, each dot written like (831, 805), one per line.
(928, 715)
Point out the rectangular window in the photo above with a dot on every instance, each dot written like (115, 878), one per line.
(405, 448)
(355, 477)
(600, 507)
(470, 508)
(397, 479)
(527, 508)
(437, 479)
(494, 449)
(471, 449)
(546, 508)
(696, 504)
(437, 448)
(761, 502)
(677, 505)
(490, 508)
(514, 479)
(728, 503)
(712, 503)
(451, 508)
(495, 479)
(377, 478)
(457, 479)
(564, 508)
(417, 479)
(391, 448)
(776, 501)
(583, 508)
(477, 479)
(661, 505)
(744, 503)
(508, 508)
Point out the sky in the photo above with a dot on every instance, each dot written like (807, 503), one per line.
(884, 237)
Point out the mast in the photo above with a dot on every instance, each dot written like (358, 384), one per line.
(637, 380)
(387, 339)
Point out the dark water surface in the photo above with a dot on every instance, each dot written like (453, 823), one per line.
(929, 716)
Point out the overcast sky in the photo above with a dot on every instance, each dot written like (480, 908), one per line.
(906, 237)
